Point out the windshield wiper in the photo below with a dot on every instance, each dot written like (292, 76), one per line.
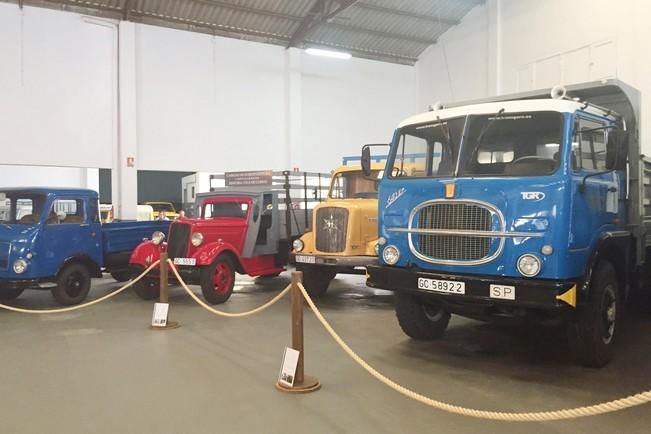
(484, 130)
(446, 130)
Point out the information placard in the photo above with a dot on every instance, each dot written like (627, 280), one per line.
(159, 319)
(288, 367)
(242, 179)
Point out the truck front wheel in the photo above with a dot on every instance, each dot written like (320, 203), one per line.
(419, 319)
(316, 280)
(217, 280)
(592, 332)
(10, 294)
(121, 276)
(73, 284)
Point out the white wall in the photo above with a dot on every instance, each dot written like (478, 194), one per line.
(56, 89)
(187, 101)
(506, 46)
(33, 176)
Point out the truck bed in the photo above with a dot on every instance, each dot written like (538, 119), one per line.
(124, 236)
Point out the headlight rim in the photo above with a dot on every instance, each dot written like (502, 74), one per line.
(389, 248)
(22, 262)
(298, 242)
(157, 238)
(199, 236)
(520, 268)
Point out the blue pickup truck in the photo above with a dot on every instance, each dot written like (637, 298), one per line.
(531, 206)
(53, 239)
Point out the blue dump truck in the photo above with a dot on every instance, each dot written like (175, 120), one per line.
(526, 206)
(53, 239)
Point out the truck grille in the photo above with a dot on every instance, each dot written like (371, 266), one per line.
(177, 244)
(330, 229)
(459, 216)
(4, 254)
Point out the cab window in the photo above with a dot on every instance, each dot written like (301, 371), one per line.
(66, 211)
(225, 209)
(589, 146)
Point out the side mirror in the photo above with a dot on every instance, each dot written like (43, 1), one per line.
(366, 160)
(617, 150)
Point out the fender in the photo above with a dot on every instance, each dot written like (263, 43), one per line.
(93, 268)
(146, 253)
(614, 246)
(205, 255)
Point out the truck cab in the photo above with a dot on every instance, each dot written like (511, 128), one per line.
(235, 231)
(53, 239)
(343, 233)
(521, 207)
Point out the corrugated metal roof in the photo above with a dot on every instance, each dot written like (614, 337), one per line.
(388, 30)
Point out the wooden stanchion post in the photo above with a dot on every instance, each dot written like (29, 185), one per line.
(302, 383)
(163, 297)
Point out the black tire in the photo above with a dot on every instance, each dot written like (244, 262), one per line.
(420, 320)
(592, 333)
(121, 276)
(73, 284)
(147, 289)
(217, 280)
(317, 279)
(10, 294)
(268, 276)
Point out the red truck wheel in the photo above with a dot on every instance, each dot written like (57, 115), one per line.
(217, 280)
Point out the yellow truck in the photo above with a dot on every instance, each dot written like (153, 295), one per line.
(168, 207)
(343, 235)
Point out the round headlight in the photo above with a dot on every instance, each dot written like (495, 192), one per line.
(529, 265)
(20, 266)
(391, 254)
(157, 237)
(197, 239)
(298, 245)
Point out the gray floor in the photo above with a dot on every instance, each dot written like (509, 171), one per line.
(101, 370)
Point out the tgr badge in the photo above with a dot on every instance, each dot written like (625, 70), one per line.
(533, 195)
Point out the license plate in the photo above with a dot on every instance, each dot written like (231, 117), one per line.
(185, 261)
(447, 286)
(306, 259)
(503, 292)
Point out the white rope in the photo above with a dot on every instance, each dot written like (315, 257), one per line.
(572, 413)
(80, 306)
(227, 314)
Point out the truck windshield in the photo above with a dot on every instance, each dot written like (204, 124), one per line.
(512, 144)
(509, 144)
(21, 207)
(353, 185)
(167, 207)
(428, 150)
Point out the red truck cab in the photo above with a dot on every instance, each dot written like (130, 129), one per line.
(235, 231)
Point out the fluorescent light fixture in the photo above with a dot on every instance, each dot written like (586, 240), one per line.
(328, 53)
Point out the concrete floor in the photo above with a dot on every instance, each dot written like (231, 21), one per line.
(101, 370)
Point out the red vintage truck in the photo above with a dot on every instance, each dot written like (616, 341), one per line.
(246, 230)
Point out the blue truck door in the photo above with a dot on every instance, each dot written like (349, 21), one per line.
(71, 230)
(596, 201)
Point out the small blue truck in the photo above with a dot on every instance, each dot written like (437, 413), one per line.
(53, 239)
(531, 206)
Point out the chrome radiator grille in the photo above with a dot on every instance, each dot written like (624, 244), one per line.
(330, 229)
(4, 255)
(454, 217)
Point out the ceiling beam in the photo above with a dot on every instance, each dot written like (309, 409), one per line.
(320, 12)
(399, 12)
(381, 33)
(126, 10)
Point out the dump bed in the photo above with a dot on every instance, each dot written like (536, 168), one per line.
(125, 236)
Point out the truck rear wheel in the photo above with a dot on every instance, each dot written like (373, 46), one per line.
(317, 279)
(73, 284)
(592, 332)
(217, 280)
(419, 319)
(10, 294)
(121, 276)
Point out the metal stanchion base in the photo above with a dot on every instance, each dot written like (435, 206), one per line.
(169, 326)
(309, 384)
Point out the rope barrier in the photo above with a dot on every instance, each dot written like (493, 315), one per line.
(219, 312)
(80, 306)
(572, 413)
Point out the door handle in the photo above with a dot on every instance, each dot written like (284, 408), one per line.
(84, 225)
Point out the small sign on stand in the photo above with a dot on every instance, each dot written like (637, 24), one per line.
(159, 319)
(288, 367)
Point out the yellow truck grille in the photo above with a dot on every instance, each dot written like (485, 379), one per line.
(330, 229)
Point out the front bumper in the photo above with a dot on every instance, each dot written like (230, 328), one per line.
(530, 294)
(342, 263)
(190, 275)
(27, 283)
